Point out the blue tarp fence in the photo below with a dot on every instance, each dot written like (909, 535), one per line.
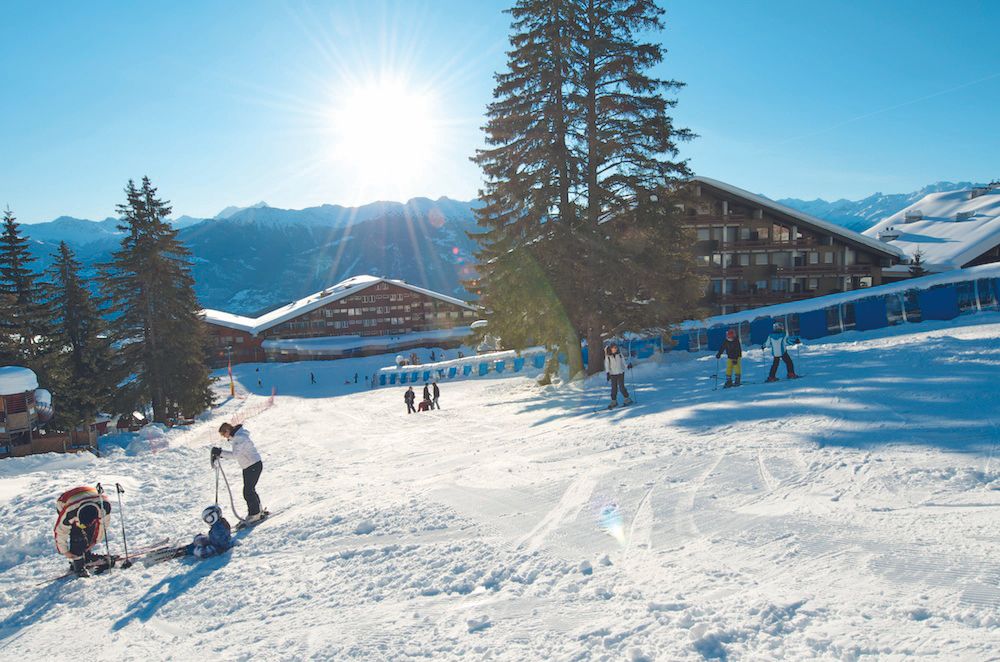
(939, 303)
(812, 324)
(870, 314)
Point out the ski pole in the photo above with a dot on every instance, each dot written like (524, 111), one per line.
(216, 465)
(121, 514)
(715, 377)
(100, 515)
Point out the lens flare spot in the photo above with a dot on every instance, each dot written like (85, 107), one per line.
(454, 250)
(610, 520)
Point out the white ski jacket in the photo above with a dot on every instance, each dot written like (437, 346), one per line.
(778, 344)
(243, 449)
(614, 364)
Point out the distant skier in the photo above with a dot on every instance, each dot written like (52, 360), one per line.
(249, 459)
(432, 356)
(427, 393)
(425, 405)
(219, 537)
(409, 397)
(778, 343)
(734, 358)
(437, 394)
(312, 378)
(614, 368)
(80, 526)
(355, 378)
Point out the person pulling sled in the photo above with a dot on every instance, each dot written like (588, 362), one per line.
(734, 358)
(778, 343)
(80, 526)
(614, 367)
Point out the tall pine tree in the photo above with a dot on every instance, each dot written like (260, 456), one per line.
(156, 316)
(528, 168)
(582, 181)
(83, 373)
(25, 320)
(642, 270)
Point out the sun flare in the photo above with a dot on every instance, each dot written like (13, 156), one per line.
(385, 129)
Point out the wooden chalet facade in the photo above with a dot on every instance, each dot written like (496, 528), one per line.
(360, 307)
(756, 252)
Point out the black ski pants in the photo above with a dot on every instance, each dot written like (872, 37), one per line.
(409, 408)
(618, 383)
(774, 365)
(250, 477)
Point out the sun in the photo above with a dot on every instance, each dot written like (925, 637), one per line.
(385, 129)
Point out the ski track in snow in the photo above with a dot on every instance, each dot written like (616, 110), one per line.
(850, 515)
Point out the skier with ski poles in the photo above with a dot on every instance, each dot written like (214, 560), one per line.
(734, 358)
(79, 528)
(778, 343)
(614, 367)
(249, 460)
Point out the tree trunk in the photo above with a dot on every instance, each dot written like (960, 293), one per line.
(595, 351)
(574, 357)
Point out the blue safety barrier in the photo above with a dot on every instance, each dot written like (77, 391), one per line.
(498, 366)
(716, 336)
(466, 369)
(427, 375)
(484, 368)
(760, 329)
(381, 380)
(939, 303)
(538, 361)
(682, 343)
(452, 372)
(813, 324)
(518, 363)
(870, 314)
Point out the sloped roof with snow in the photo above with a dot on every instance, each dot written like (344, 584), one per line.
(345, 288)
(843, 233)
(954, 228)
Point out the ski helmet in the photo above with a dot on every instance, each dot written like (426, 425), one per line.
(731, 334)
(212, 514)
(778, 326)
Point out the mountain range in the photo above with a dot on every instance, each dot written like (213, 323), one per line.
(248, 260)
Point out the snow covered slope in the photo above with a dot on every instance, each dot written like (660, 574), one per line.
(847, 515)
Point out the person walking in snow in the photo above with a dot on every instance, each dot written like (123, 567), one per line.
(312, 378)
(409, 397)
(437, 394)
(614, 368)
(219, 537)
(249, 459)
(734, 358)
(778, 343)
(427, 393)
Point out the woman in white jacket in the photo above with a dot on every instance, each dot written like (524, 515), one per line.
(614, 366)
(249, 459)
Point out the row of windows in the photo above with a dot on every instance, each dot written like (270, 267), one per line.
(734, 233)
(780, 258)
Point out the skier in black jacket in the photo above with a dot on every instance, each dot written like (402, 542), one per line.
(409, 397)
(734, 358)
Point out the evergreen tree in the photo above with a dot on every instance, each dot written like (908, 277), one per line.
(917, 265)
(642, 269)
(83, 374)
(25, 322)
(583, 181)
(157, 321)
(528, 168)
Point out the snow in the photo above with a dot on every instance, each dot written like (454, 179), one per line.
(847, 515)
(343, 289)
(14, 379)
(826, 226)
(946, 243)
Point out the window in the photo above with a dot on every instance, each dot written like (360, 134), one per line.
(813, 284)
(239, 339)
(704, 234)
(744, 234)
(760, 258)
(716, 287)
(731, 234)
(828, 257)
(813, 257)
(745, 259)
(453, 315)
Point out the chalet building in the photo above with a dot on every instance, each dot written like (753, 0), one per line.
(950, 230)
(361, 315)
(757, 252)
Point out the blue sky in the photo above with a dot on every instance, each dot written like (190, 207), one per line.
(229, 102)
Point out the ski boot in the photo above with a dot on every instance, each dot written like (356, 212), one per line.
(79, 567)
(614, 403)
(771, 379)
(739, 379)
(628, 401)
(792, 375)
(729, 383)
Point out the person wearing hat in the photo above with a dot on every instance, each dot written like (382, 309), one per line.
(778, 343)
(614, 367)
(734, 358)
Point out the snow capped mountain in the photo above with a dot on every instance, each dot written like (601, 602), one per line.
(859, 215)
(250, 259)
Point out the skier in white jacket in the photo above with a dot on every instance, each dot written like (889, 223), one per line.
(249, 459)
(614, 367)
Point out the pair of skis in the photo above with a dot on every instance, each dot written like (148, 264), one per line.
(100, 564)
